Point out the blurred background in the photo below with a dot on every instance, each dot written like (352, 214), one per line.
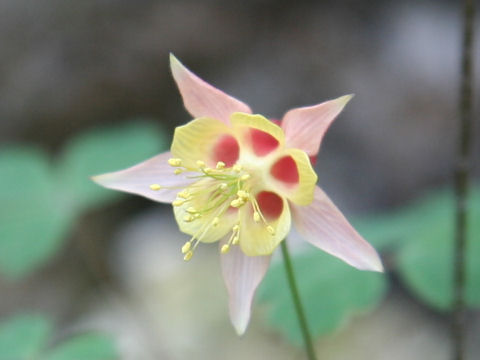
(85, 88)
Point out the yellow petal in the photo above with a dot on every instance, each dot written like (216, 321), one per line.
(301, 192)
(197, 139)
(256, 238)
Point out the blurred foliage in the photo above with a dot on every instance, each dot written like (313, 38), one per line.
(420, 238)
(27, 337)
(41, 200)
(330, 290)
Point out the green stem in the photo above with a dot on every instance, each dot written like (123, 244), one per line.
(307, 338)
(462, 181)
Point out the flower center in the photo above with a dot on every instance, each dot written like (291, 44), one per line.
(218, 194)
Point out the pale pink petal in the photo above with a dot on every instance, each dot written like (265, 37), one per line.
(305, 127)
(138, 178)
(202, 99)
(324, 226)
(242, 275)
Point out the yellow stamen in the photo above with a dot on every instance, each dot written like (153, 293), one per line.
(222, 186)
(155, 187)
(184, 194)
(271, 230)
(256, 216)
(178, 202)
(245, 177)
(175, 162)
(186, 247)
(191, 210)
(220, 165)
(215, 221)
(225, 249)
(177, 171)
(237, 167)
(200, 164)
(188, 218)
(188, 255)
(235, 240)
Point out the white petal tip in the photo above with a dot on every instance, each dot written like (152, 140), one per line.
(346, 98)
(240, 328)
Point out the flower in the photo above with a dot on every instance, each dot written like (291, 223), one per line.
(242, 180)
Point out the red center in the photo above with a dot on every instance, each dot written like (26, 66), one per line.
(270, 204)
(227, 150)
(285, 170)
(262, 142)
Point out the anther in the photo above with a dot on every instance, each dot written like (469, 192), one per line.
(271, 230)
(235, 240)
(177, 171)
(178, 202)
(191, 210)
(188, 218)
(222, 186)
(245, 177)
(225, 249)
(220, 165)
(236, 227)
(188, 255)
(215, 221)
(155, 187)
(237, 167)
(200, 163)
(256, 216)
(236, 203)
(175, 162)
(186, 247)
(184, 194)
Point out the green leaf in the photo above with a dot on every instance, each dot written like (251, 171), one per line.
(86, 346)
(100, 151)
(23, 336)
(331, 291)
(32, 222)
(425, 263)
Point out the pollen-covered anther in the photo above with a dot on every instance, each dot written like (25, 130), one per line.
(177, 171)
(242, 194)
(235, 240)
(191, 210)
(271, 230)
(178, 202)
(186, 247)
(155, 187)
(188, 218)
(188, 255)
(184, 194)
(225, 249)
(237, 202)
(222, 186)
(245, 177)
(237, 168)
(220, 165)
(175, 162)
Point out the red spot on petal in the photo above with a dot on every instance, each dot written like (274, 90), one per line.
(227, 150)
(285, 170)
(276, 122)
(262, 142)
(271, 205)
(313, 159)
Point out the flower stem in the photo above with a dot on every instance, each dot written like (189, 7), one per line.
(462, 180)
(307, 338)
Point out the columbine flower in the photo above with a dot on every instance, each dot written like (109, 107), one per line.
(240, 179)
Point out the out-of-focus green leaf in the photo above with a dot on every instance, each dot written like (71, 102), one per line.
(82, 347)
(100, 151)
(23, 337)
(331, 292)
(425, 262)
(32, 222)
